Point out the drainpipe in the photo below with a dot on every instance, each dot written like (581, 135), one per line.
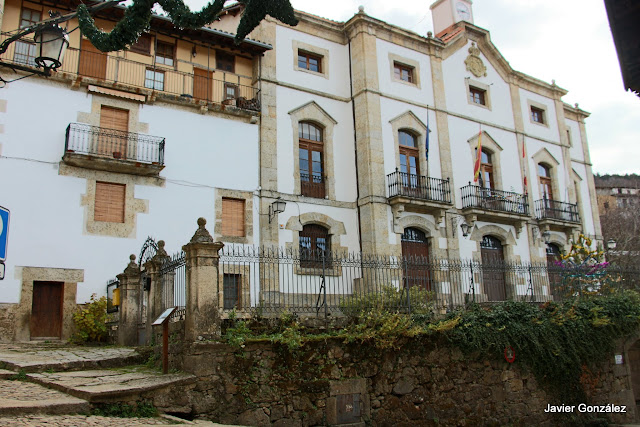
(355, 148)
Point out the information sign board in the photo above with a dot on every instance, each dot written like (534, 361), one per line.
(165, 314)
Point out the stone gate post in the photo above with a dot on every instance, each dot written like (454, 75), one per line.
(129, 303)
(202, 317)
(156, 289)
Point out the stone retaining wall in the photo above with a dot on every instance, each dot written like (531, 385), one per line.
(329, 382)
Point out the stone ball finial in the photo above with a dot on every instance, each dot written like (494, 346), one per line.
(361, 9)
(553, 82)
(429, 34)
(202, 222)
(132, 257)
(576, 105)
(202, 235)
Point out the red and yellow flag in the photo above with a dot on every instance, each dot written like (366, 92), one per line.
(476, 166)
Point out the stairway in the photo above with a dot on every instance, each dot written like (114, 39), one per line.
(56, 384)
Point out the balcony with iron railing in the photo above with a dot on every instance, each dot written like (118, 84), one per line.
(552, 214)
(419, 193)
(113, 150)
(115, 71)
(312, 185)
(487, 204)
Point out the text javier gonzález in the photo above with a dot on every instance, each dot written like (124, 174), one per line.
(583, 407)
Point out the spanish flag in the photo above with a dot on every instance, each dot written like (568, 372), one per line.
(476, 166)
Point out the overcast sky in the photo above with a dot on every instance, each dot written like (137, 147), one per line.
(566, 40)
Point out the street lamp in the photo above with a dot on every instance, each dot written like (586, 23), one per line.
(276, 208)
(546, 237)
(51, 44)
(611, 244)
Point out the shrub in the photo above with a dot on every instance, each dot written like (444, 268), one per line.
(419, 302)
(90, 322)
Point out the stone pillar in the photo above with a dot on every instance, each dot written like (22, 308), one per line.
(202, 320)
(155, 293)
(129, 303)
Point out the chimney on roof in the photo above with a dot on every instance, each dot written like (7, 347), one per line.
(445, 13)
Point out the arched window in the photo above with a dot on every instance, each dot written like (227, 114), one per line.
(314, 244)
(486, 170)
(408, 148)
(415, 251)
(544, 178)
(311, 157)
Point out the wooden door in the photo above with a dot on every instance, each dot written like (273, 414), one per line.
(493, 269)
(202, 84)
(93, 62)
(46, 310)
(114, 132)
(415, 251)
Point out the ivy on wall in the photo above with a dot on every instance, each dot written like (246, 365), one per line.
(137, 19)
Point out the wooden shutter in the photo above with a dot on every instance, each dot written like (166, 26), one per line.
(110, 199)
(93, 62)
(232, 217)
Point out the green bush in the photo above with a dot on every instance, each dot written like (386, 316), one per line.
(419, 302)
(124, 410)
(91, 321)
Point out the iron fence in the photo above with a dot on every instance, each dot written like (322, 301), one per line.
(116, 144)
(474, 196)
(173, 281)
(553, 209)
(421, 187)
(113, 296)
(197, 82)
(271, 280)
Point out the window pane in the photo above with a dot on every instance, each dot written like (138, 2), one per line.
(486, 158)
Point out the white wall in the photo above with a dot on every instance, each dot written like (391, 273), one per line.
(47, 220)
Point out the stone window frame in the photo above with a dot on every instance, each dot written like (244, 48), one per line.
(244, 271)
(409, 121)
(406, 62)
(335, 229)
(494, 149)
(312, 112)
(544, 157)
(538, 106)
(479, 86)
(320, 53)
(247, 196)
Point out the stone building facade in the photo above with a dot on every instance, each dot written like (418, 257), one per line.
(332, 118)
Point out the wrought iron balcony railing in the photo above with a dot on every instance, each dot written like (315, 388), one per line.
(312, 185)
(474, 196)
(553, 209)
(420, 187)
(114, 144)
(199, 83)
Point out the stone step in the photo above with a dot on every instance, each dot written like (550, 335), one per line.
(38, 358)
(115, 385)
(19, 398)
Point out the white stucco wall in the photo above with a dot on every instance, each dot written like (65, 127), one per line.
(576, 140)
(47, 223)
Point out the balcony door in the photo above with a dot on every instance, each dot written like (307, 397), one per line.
(93, 62)
(114, 132)
(311, 158)
(202, 84)
(495, 286)
(409, 163)
(415, 251)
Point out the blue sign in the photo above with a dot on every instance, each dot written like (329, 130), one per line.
(4, 232)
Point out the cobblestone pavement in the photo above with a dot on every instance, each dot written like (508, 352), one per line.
(93, 421)
(20, 397)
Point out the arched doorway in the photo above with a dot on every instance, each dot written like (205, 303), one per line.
(493, 276)
(554, 270)
(415, 251)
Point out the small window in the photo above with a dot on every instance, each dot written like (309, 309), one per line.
(165, 54)
(309, 61)
(314, 245)
(29, 17)
(537, 115)
(142, 45)
(225, 62)
(233, 217)
(25, 53)
(109, 205)
(403, 72)
(154, 79)
(230, 91)
(231, 288)
(477, 96)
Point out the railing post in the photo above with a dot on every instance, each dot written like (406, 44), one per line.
(155, 289)
(202, 319)
(129, 303)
